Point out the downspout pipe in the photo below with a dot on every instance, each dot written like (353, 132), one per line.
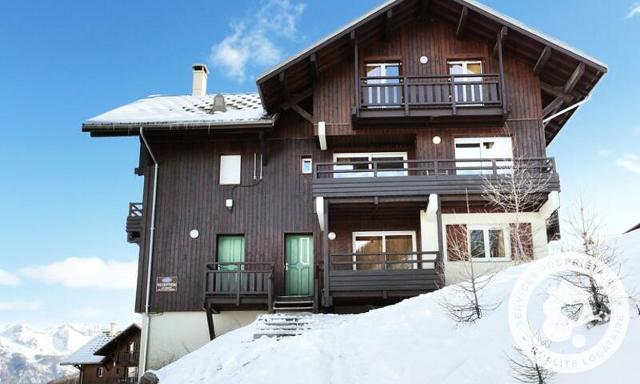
(574, 106)
(152, 230)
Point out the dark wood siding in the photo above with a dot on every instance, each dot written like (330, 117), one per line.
(190, 197)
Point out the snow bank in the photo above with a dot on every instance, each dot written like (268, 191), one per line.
(411, 342)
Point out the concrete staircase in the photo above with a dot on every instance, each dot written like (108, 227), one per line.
(282, 325)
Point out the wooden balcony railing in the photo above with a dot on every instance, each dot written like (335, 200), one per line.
(451, 92)
(135, 209)
(236, 283)
(125, 358)
(433, 168)
(134, 222)
(384, 274)
(419, 177)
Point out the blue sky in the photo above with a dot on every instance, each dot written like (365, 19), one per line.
(64, 196)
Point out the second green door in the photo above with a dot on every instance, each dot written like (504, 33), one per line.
(299, 265)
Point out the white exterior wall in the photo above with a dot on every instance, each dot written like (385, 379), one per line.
(175, 334)
(454, 270)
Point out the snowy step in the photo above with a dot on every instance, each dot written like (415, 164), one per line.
(282, 325)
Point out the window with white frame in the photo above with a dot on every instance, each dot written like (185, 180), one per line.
(369, 250)
(474, 149)
(468, 89)
(230, 166)
(100, 372)
(383, 84)
(370, 164)
(489, 242)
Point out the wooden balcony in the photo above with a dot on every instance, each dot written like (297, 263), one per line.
(413, 178)
(239, 284)
(383, 275)
(127, 359)
(477, 97)
(134, 223)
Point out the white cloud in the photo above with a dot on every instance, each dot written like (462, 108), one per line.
(252, 41)
(7, 278)
(634, 10)
(630, 162)
(85, 273)
(20, 305)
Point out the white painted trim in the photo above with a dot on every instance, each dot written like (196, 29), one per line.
(383, 234)
(320, 212)
(322, 135)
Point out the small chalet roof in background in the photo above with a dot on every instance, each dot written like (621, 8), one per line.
(85, 355)
(110, 346)
(181, 112)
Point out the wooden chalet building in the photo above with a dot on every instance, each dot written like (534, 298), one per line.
(108, 358)
(338, 186)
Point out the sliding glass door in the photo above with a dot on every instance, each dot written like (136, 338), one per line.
(370, 249)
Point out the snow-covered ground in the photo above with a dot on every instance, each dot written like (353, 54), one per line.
(411, 342)
(30, 355)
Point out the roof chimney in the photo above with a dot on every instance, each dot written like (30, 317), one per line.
(200, 80)
(112, 329)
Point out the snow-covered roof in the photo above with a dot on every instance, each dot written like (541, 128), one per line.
(85, 355)
(243, 109)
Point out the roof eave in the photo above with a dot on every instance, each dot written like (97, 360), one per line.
(473, 5)
(133, 128)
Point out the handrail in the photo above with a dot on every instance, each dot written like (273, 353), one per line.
(435, 168)
(385, 262)
(410, 91)
(238, 279)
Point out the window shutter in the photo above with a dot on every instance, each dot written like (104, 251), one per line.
(521, 233)
(457, 244)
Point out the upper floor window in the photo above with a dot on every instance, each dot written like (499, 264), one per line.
(230, 169)
(472, 150)
(370, 164)
(383, 84)
(100, 372)
(468, 89)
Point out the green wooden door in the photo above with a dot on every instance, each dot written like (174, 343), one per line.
(299, 265)
(230, 250)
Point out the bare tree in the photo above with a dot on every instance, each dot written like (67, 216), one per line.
(584, 226)
(468, 305)
(527, 367)
(517, 186)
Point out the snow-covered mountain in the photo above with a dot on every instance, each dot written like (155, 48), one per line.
(410, 342)
(31, 356)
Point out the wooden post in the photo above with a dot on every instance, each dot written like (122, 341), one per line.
(405, 96)
(439, 258)
(212, 331)
(356, 60)
(503, 96)
(453, 93)
(325, 255)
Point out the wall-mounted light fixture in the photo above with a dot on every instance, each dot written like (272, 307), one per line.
(424, 59)
(194, 234)
(331, 235)
(228, 204)
(437, 140)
